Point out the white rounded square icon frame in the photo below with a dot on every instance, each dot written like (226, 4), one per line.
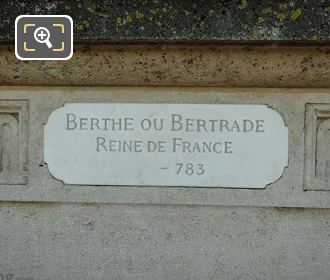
(45, 58)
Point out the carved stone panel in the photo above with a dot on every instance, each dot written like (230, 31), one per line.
(13, 142)
(317, 147)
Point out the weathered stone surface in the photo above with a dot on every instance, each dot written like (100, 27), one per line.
(104, 241)
(206, 20)
(165, 65)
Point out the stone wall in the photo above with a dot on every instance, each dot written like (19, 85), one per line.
(242, 52)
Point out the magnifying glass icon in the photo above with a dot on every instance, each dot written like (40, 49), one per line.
(41, 35)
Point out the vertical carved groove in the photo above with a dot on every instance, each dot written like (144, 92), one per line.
(9, 145)
(323, 151)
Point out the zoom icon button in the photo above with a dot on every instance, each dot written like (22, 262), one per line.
(43, 37)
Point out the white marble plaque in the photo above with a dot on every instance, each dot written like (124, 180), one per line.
(192, 145)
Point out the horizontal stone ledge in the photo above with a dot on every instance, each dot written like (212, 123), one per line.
(174, 65)
(169, 20)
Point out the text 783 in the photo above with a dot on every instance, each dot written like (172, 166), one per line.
(190, 169)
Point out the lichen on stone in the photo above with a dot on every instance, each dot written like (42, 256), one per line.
(261, 20)
(266, 11)
(283, 6)
(139, 15)
(119, 22)
(203, 20)
(281, 17)
(90, 9)
(243, 4)
(296, 14)
(82, 25)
